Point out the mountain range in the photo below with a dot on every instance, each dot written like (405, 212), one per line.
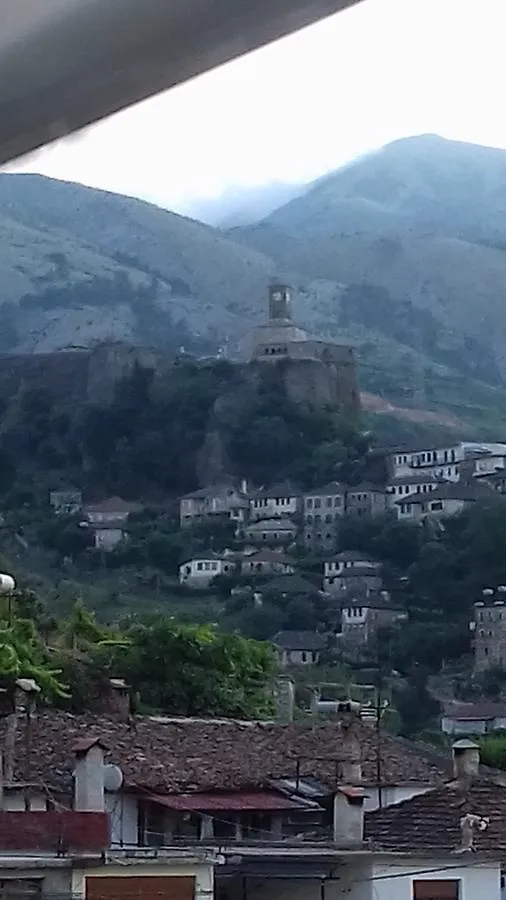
(402, 251)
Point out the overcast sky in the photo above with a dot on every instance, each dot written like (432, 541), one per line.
(293, 111)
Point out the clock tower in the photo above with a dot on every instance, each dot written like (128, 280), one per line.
(280, 303)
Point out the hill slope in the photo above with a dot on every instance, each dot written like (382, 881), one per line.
(397, 252)
(416, 236)
(54, 234)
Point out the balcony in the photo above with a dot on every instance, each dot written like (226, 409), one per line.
(59, 833)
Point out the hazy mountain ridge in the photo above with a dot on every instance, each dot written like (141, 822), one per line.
(402, 251)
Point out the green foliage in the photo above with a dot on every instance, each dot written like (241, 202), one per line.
(196, 670)
(23, 653)
(172, 667)
(493, 749)
(414, 704)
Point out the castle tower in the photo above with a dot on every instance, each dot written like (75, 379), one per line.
(280, 303)
(489, 630)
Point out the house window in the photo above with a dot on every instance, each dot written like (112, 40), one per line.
(317, 502)
(337, 501)
(151, 825)
(309, 502)
(187, 826)
(449, 889)
(224, 828)
(256, 825)
(317, 520)
(329, 501)
(328, 520)
(436, 506)
(200, 567)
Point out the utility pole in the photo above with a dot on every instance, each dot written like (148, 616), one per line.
(378, 738)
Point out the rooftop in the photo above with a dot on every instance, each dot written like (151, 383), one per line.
(285, 490)
(419, 476)
(299, 640)
(450, 491)
(216, 490)
(290, 584)
(471, 711)
(431, 822)
(113, 505)
(267, 556)
(333, 487)
(365, 488)
(176, 755)
(354, 556)
(272, 525)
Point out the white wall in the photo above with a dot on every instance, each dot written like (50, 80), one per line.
(478, 881)
(122, 809)
(390, 795)
(467, 726)
(14, 801)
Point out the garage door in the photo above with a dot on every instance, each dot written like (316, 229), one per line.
(140, 887)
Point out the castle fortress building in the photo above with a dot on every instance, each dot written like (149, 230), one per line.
(331, 367)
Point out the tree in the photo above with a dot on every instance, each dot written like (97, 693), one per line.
(196, 670)
(24, 655)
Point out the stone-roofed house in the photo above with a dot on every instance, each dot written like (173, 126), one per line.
(298, 648)
(290, 586)
(323, 509)
(200, 570)
(220, 501)
(266, 562)
(108, 520)
(271, 532)
(352, 570)
(366, 500)
(473, 718)
(494, 480)
(446, 500)
(364, 613)
(416, 482)
(280, 501)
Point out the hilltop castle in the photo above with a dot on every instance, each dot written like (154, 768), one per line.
(321, 373)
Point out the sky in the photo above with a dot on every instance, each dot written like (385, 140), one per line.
(303, 106)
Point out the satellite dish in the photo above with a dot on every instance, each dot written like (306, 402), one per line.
(7, 584)
(113, 778)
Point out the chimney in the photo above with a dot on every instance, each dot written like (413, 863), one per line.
(351, 771)
(284, 694)
(466, 759)
(114, 700)
(350, 768)
(349, 815)
(89, 775)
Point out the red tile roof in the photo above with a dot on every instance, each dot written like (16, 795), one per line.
(194, 755)
(237, 800)
(431, 823)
